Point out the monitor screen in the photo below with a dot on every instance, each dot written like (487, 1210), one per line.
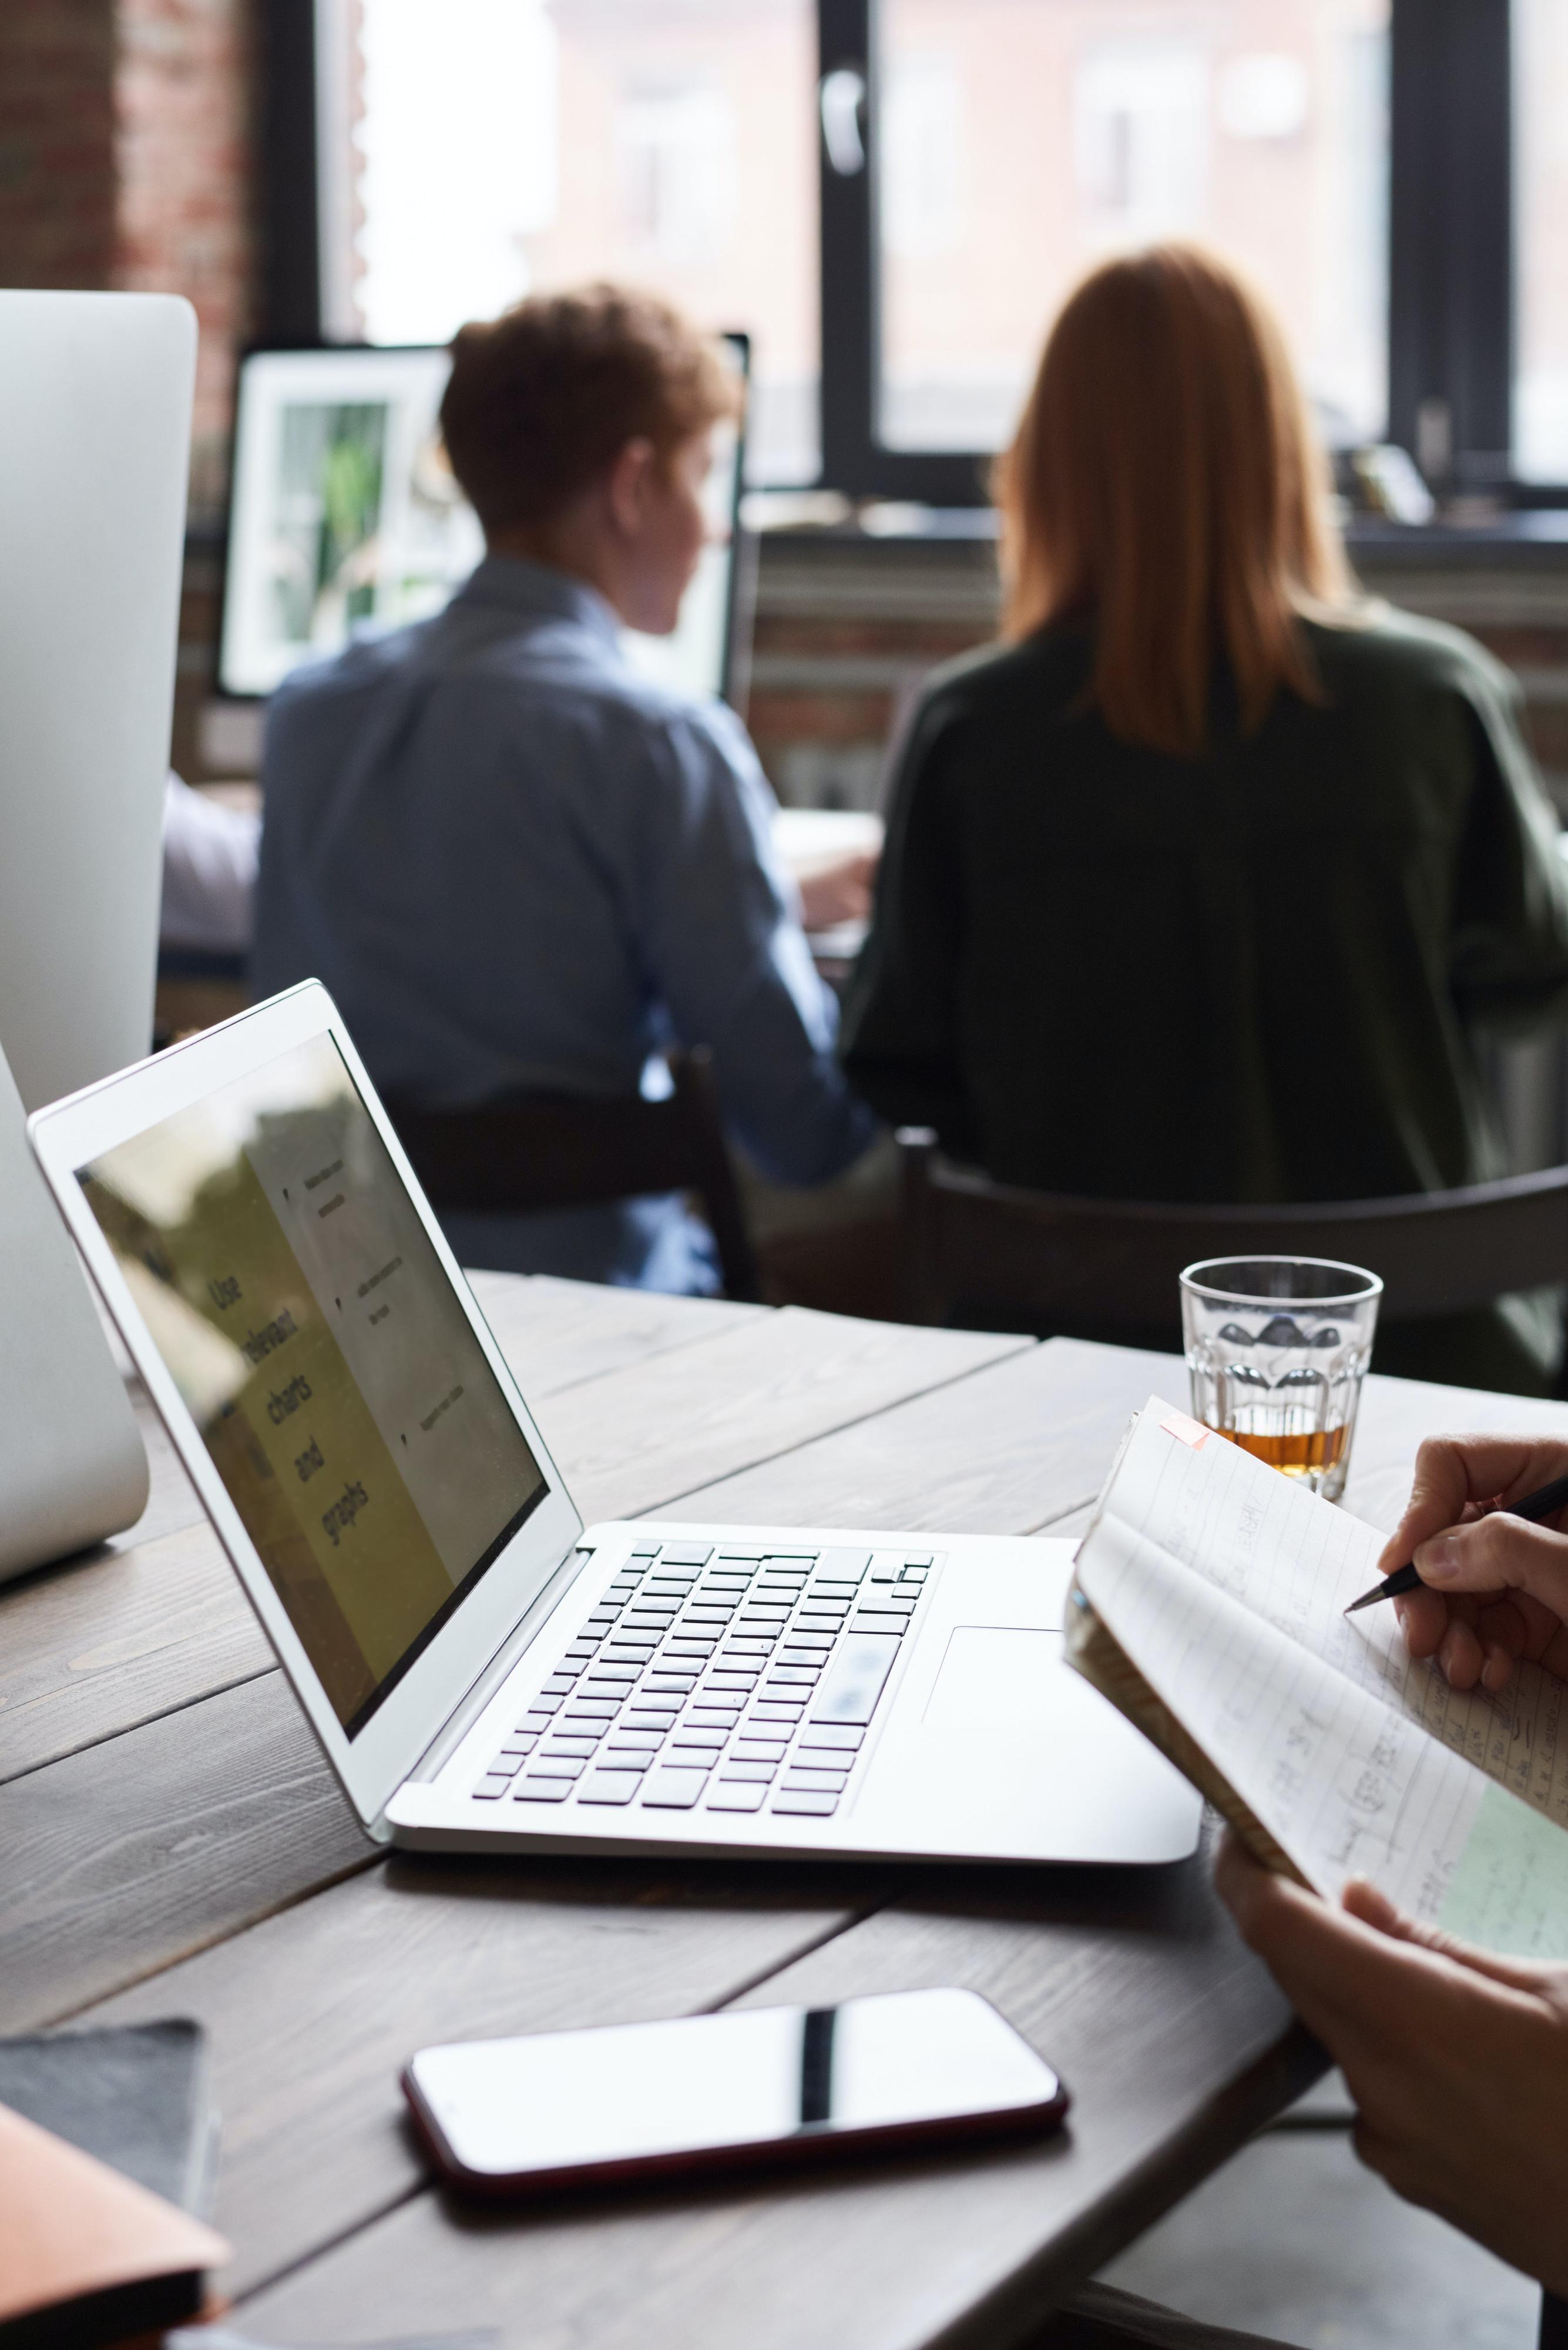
(274, 1255)
(344, 515)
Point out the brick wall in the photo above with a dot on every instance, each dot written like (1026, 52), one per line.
(185, 174)
(184, 166)
(127, 161)
(57, 192)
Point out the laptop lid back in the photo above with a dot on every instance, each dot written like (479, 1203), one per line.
(72, 1467)
(322, 1366)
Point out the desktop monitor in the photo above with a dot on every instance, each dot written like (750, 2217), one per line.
(344, 515)
(95, 435)
(95, 441)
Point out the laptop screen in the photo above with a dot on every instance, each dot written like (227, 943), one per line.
(305, 1317)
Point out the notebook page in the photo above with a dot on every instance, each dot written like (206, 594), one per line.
(1347, 1786)
(1297, 1562)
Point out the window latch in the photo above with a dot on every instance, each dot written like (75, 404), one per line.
(841, 98)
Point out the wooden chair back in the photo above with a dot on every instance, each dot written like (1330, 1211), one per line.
(532, 1153)
(975, 1249)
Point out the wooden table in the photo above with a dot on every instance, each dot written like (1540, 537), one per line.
(173, 1844)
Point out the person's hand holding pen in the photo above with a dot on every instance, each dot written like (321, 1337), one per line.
(1494, 1589)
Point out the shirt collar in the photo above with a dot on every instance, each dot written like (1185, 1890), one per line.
(538, 591)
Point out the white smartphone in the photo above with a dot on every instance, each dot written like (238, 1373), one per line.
(709, 2092)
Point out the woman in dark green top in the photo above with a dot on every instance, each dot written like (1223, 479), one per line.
(1200, 889)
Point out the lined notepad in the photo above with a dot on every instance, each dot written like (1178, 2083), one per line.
(1208, 1606)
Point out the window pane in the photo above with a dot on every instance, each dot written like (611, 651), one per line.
(486, 149)
(1023, 140)
(1540, 196)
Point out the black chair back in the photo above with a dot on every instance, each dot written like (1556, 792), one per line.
(534, 1152)
(972, 1247)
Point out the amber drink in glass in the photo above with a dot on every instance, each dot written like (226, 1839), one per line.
(1277, 1347)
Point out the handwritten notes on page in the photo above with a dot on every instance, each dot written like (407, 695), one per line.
(1298, 1561)
(1224, 1584)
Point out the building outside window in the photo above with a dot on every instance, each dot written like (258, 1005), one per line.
(1062, 131)
(475, 151)
(1541, 210)
(484, 150)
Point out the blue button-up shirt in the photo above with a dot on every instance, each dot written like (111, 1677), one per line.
(516, 864)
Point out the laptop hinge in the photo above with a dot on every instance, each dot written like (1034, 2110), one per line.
(523, 1633)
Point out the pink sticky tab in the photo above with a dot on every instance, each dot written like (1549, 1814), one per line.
(1186, 1432)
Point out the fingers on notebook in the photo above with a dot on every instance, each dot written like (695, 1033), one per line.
(1424, 1617)
(1466, 1657)
(1382, 1992)
(1358, 1981)
(1503, 1595)
(1362, 1899)
(1481, 1639)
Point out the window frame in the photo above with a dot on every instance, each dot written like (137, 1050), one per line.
(1451, 296)
(289, 152)
(1451, 248)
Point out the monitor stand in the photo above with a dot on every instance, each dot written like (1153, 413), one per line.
(72, 1465)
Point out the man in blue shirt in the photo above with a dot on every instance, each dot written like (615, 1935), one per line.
(514, 862)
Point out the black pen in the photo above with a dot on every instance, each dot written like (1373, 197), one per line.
(1534, 1506)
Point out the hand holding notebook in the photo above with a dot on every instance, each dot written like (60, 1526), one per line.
(1457, 2062)
(1207, 1606)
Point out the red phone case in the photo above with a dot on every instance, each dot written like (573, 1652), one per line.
(812, 2143)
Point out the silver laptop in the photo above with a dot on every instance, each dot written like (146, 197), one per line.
(479, 1669)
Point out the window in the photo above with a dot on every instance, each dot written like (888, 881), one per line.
(893, 196)
(1022, 140)
(474, 152)
(1541, 105)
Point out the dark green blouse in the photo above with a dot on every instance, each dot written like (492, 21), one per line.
(1254, 976)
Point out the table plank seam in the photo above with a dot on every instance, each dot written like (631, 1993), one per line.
(143, 1722)
(839, 1428)
(653, 1355)
(816, 1942)
(341, 2236)
(429, 2184)
(52, 2023)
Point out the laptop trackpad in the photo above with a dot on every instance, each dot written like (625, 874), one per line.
(1001, 1677)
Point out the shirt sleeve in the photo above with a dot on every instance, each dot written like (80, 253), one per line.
(210, 854)
(900, 1022)
(723, 947)
(1509, 965)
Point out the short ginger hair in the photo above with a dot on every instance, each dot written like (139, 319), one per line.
(1165, 487)
(541, 401)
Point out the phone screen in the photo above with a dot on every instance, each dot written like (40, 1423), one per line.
(564, 2104)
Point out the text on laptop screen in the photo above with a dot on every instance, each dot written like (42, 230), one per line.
(304, 1315)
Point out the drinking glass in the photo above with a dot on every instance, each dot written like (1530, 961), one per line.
(1277, 1347)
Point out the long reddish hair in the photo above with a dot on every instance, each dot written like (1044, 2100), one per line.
(1165, 486)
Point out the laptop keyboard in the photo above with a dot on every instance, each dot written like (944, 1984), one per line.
(727, 1679)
